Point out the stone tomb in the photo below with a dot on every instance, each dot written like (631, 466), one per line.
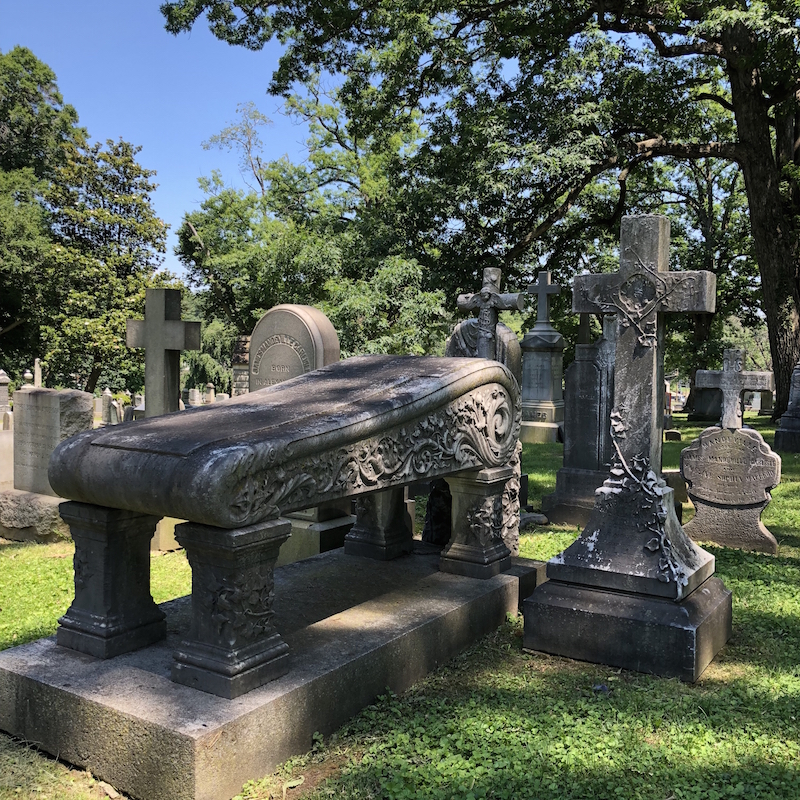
(633, 590)
(288, 341)
(589, 397)
(352, 428)
(730, 470)
(542, 370)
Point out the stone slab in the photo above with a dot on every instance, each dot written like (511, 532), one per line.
(635, 632)
(311, 538)
(31, 517)
(353, 626)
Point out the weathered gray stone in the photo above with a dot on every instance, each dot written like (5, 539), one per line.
(37, 373)
(163, 335)
(589, 397)
(542, 371)
(707, 405)
(30, 517)
(4, 383)
(729, 474)
(633, 543)
(380, 530)
(240, 361)
(6, 459)
(767, 404)
(44, 418)
(211, 395)
(288, 341)
(787, 436)
(365, 625)
(732, 381)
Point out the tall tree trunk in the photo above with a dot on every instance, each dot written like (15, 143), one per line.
(775, 241)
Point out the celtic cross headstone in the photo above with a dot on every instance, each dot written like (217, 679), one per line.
(633, 545)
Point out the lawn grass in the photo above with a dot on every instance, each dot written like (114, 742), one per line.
(500, 723)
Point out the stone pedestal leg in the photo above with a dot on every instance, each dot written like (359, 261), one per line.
(476, 547)
(233, 646)
(113, 611)
(380, 531)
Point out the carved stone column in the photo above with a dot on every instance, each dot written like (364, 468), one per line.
(113, 611)
(476, 547)
(233, 646)
(380, 531)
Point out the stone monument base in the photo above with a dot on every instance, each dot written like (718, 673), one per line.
(354, 627)
(540, 432)
(787, 440)
(573, 500)
(31, 517)
(636, 632)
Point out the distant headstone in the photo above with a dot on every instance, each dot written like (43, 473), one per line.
(633, 590)
(163, 335)
(211, 394)
(37, 373)
(588, 400)
(767, 404)
(241, 366)
(43, 419)
(787, 436)
(288, 341)
(542, 370)
(223, 396)
(707, 405)
(27, 376)
(729, 470)
(6, 436)
(107, 399)
(4, 384)
(195, 398)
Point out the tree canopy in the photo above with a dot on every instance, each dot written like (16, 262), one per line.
(524, 107)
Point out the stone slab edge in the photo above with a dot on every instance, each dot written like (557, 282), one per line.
(340, 665)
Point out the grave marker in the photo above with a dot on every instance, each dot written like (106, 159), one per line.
(163, 335)
(542, 370)
(664, 613)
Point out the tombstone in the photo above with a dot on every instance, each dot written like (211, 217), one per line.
(43, 419)
(117, 412)
(542, 370)
(767, 404)
(288, 341)
(195, 398)
(210, 396)
(500, 343)
(163, 335)
(37, 374)
(707, 405)
(107, 398)
(729, 471)
(241, 366)
(588, 399)
(6, 436)
(787, 436)
(4, 384)
(634, 591)
(223, 396)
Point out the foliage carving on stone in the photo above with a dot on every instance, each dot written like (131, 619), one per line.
(480, 429)
(238, 605)
(485, 520)
(511, 504)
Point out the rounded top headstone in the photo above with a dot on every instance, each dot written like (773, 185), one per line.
(288, 341)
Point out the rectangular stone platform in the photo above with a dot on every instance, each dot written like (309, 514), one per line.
(353, 625)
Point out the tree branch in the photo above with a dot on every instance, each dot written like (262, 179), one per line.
(659, 146)
(13, 325)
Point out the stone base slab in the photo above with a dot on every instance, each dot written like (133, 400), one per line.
(787, 441)
(31, 517)
(354, 626)
(311, 538)
(636, 632)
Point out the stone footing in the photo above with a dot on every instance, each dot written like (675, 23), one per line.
(365, 626)
(631, 631)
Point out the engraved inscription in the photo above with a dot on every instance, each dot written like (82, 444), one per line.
(279, 358)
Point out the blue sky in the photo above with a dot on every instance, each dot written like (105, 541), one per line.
(127, 77)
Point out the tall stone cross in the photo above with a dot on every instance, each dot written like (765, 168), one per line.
(732, 380)
(163, 335)
(489, 302)
(543, 289)
(640, 294)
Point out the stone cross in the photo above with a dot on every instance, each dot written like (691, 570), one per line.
(489, 303)
(163, 335)
(543, 289)
(640, 294)
(732, 380)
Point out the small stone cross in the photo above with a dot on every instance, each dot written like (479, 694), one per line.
(732, 380)
(543, 289)
(163, 335)
(489, 303)
(639, 294)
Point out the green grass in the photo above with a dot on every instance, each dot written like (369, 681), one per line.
(500, 723)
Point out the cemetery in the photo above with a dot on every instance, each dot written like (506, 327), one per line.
(449, 451)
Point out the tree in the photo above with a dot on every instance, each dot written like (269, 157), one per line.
(525, 105)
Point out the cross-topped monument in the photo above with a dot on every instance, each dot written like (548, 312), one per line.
(633, 543)
(163, 335)
(489, 302)
(542, 289)
(733, 380)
